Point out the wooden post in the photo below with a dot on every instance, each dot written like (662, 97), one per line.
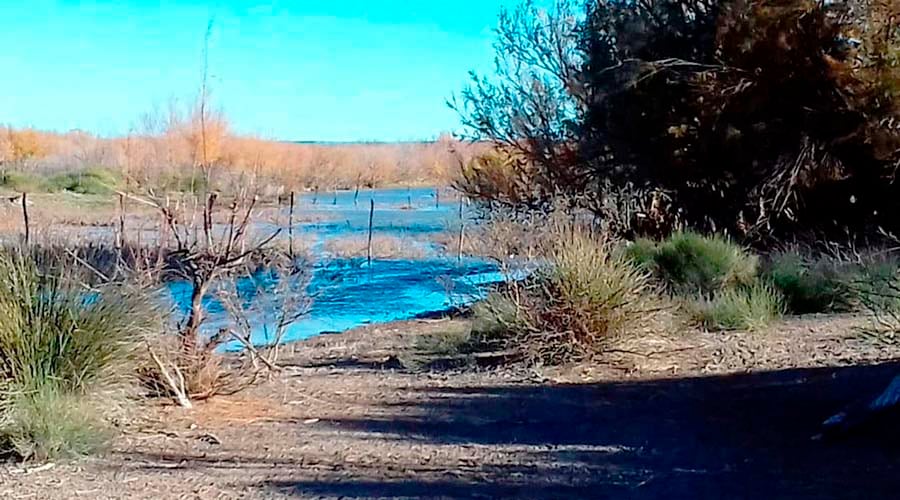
(356, 196)
(120, 240)
(25, 217)
(437, 197)
(369, 246)
(462, 231)
(459, 249)
(315, 195)
(409, 197)
(291, 229)
(334, 202)
(208, 220)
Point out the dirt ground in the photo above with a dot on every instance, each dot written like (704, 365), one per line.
(700, 415)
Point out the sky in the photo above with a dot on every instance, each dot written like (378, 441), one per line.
(311, 70)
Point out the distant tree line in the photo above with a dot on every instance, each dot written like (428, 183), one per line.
(172, 151)
(760, 118)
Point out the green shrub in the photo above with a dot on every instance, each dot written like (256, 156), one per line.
(690, 263)
(19, 181)
(48, 422)
(60, 344)
(743, 308)
(822, 285)
(91, 181)
(643, 253)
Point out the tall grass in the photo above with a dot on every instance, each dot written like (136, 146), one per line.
(741, 308)
(47, 423)
(60, 347)
(586, 294)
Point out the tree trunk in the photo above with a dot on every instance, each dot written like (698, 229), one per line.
(191, 332)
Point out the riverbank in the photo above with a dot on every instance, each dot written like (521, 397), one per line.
(371, 413)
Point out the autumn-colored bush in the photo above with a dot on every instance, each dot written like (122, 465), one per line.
(169, 155)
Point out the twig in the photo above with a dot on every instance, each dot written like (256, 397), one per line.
(177, 388)
(87, 265)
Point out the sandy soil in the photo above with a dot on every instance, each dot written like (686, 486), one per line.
(695, 416)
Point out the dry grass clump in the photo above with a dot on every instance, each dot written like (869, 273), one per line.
(383, 247)
(585, 295)
(199, 374)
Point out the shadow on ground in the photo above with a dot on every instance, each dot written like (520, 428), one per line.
(742, 436)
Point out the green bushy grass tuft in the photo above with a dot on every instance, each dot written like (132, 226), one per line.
(60, 347)
(48, 422)
(19, 181)
(643, 253)
(811, 285)
(828, 284)
(741, 308)
(691, 263)
(94, 181)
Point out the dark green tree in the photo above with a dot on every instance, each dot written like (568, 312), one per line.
(759, 117)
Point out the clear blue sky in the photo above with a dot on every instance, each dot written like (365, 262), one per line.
(326, 70)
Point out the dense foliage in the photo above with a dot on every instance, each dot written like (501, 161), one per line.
(758, 117)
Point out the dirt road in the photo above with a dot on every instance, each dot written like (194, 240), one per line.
(346, 420)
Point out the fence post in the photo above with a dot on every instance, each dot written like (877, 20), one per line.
(462, 231)
(291, 228)
(120, 241)
(369, 245)
(459, 249)
(25, 217)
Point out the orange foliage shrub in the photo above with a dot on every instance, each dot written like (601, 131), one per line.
(168, 152)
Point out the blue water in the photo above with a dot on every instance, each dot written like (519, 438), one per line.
(398, 212)
(348, 293)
